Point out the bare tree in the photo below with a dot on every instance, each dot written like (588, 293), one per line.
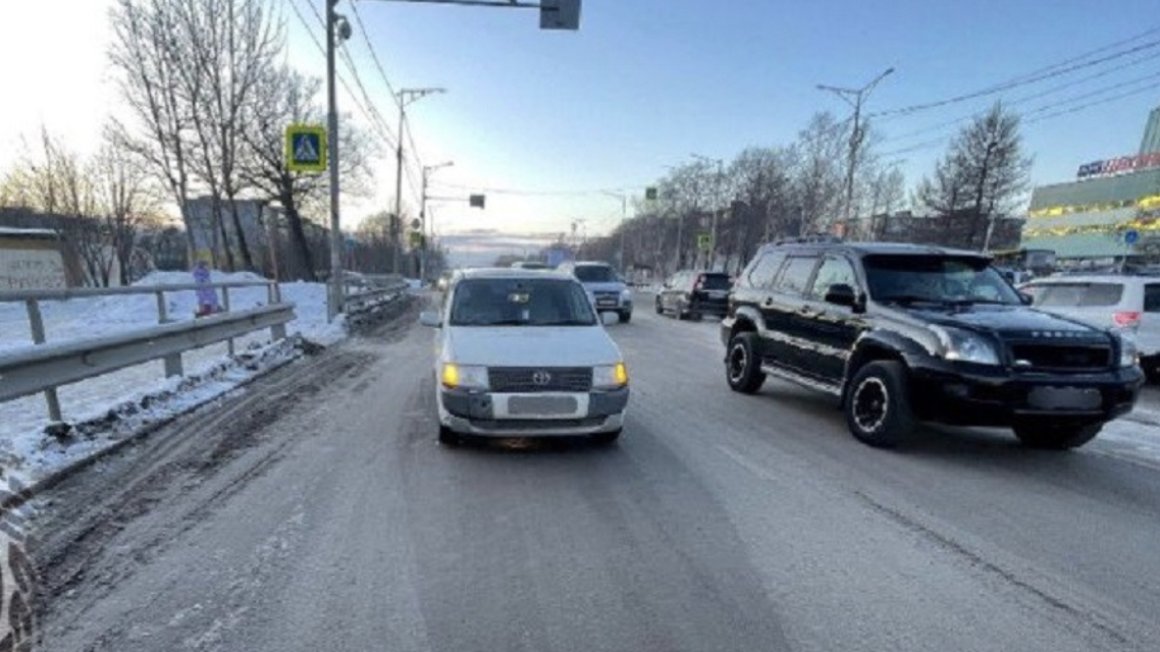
(984, 172)
(127, 198)
(145, 52)
(818, 179)
(288, 97)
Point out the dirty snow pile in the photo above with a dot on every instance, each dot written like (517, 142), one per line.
(115, 405)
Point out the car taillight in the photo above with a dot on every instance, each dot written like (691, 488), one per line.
(1126, 318)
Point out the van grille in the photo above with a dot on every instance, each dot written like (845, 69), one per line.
(523, 380)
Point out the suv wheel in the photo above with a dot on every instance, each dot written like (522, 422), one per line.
(877, 405)
(1056, 435)
(742, 365)
(625, 316)
(605, 438)
(660, 310)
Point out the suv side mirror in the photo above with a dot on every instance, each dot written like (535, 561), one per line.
(1027, 298)
(429, 318)
(841, 294)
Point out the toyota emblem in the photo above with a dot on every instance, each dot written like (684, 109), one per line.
(541, 378)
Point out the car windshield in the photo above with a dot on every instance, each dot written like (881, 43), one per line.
(520, 302)
(936, 279)
(595, 274)
(1077, 295)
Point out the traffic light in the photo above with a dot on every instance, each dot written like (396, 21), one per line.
(477, 201)
(650, 193)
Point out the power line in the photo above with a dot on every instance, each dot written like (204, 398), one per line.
(374, 55)
(1047, 73)
(1026, 98)
(1096, 103)
(538, 193)
(371, 114)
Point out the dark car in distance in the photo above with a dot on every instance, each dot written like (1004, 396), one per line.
(902, 333)
(691, 294)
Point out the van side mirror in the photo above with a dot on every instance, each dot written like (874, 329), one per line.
(1027, 298)
(430, 318)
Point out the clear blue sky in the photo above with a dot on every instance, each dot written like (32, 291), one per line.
(645, 83)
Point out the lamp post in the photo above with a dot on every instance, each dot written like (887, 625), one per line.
(428, 230)
(405, 97)
(336, 27)
(854, 97)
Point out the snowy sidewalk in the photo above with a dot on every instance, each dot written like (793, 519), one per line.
(28, 454)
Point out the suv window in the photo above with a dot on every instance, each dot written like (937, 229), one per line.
(1152, 297)
(1073, 295)
(764, 271)
(832, 272)
(796, 274)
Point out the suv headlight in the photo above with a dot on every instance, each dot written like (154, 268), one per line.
(1129, 354)
(626, 295)
(457, 376)
(613, 376)
(965, 346)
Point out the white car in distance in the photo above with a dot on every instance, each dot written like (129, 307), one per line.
(522, 353)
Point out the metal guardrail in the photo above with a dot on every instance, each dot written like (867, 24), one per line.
(46, 366)
(49, 366)
(367, 291)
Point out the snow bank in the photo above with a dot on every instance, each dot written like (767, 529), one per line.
(181, 278)
(22, 421)
(30, 455)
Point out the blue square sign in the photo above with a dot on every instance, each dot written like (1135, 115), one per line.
(306, 148)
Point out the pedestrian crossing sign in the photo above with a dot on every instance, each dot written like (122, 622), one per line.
(705, 241)
(306, 148)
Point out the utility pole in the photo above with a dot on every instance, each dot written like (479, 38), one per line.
(854, 97)
(405, 97)
(336, 27)
(423, 222)
(623, 222)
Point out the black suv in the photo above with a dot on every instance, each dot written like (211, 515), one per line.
(691, 294)
(900, 333)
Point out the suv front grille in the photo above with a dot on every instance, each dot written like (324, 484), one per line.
(521, 380)
(1071, 357)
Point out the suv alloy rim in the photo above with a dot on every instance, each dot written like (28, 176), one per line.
(871, 404)
(738, 360)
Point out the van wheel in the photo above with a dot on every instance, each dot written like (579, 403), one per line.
(449, 437)
(743, 365)
(1049, 435)
(877, 405)
(660, 310)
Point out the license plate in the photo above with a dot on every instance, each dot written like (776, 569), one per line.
(541, 405)
(1065, 398)
(606, 302)
(717, 294)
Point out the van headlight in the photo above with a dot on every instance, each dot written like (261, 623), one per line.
(626, 295)
(458, 376)
(964, 346)
(613, 376)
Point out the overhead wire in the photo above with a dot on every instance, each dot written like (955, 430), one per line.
(1075, 63)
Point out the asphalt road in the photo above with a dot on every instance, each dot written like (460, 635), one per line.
(316, 511)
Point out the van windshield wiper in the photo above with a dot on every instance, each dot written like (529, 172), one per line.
(907, 299)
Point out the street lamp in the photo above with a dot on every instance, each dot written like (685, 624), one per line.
(428, 170)
(623, 219)
(336, 27)
(858, 95)
(405, 97)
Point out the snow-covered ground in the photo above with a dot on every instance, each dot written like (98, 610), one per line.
(26, 452)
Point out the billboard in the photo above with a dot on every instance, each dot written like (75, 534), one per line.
(1119, 165)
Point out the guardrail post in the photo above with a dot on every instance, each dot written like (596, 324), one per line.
(162, 311)
(226, 306)
(36, 323)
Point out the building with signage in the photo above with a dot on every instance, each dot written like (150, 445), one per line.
(1089, 217)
